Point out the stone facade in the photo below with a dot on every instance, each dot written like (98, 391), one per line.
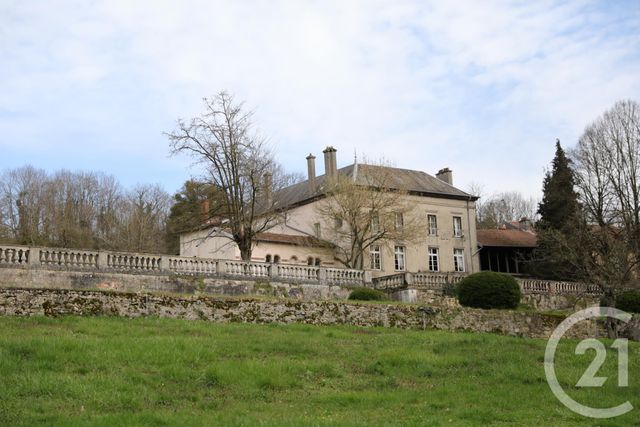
(454, 230)
(56, 302)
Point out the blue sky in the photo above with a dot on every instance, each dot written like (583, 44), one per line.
(484, 88)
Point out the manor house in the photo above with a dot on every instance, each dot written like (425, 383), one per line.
(446, 243)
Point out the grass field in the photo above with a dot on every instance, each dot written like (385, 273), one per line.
(113, 371)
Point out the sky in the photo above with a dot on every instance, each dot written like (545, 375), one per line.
(481, 87)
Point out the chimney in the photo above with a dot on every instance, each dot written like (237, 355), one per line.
(445, 175)
(205, 211)
(266, 188)
(311, 171)
(330, 166)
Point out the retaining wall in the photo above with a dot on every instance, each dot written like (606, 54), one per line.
(55, 302)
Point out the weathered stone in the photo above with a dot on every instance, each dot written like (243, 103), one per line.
(54, 302)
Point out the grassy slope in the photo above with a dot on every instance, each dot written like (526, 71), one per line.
(111, 371)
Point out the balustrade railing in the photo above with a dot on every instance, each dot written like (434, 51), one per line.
(12, 255)
(435, 280)
(28, 257)
(188, 265)
(123, 262)
(298, 272)
(344, 276)
(68, 258)
(438, 281)
(133, 262)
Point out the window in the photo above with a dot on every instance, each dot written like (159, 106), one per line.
(399, 258)
(276, 259)
(434, 264)
(310, 260)
(399, 221)
(316, 229)
(267, 258)
(375, 223)
(457, 226)
(375, 257)
(458, 260)
(318, 262)
(433, 225)
(337, 223)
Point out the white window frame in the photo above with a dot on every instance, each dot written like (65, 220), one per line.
(432, 231)
(457, 226)
(375, 223)
(399, 220)
(433, 259)
(399, 258)
(458, 260)
(375, 257)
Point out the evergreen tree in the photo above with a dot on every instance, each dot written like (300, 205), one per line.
(559, 216)
(196, 204)
(559, 201)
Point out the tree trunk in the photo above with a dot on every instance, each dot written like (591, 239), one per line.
(611, 325)
(244, 245)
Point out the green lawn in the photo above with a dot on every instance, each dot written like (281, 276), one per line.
(113, 371)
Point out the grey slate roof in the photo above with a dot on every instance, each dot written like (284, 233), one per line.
(415, 182)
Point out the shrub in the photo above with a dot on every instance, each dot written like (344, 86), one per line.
(629, 301)
(450, 289)
(367, 294)
(488, 289)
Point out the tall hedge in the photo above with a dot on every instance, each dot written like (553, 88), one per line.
(488, 289)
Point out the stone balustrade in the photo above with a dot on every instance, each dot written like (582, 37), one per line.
(437, 282)
(536, 286)
(14, 255)
(123, 262)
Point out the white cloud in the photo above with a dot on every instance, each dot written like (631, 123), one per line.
(482, 88)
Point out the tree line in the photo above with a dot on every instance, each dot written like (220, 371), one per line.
(86, 210)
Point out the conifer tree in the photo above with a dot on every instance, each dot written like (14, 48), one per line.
(559, 201)
(559, 212)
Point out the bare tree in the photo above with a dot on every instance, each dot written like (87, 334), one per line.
(607, 163)
(21, 203)
(237, 161)
(85, 210)
(506, 206)
(602, 246)
(365, 212)
(143, 228)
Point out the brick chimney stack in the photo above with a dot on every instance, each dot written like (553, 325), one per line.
(330, 165)
(311, 171)
(445, 175)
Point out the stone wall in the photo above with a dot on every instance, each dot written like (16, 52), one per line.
(165, 283)
(54, 302)
(188, 284)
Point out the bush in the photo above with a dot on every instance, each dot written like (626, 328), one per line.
(488, 289)
(450, 290)
(629, 301)
(367, 294)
